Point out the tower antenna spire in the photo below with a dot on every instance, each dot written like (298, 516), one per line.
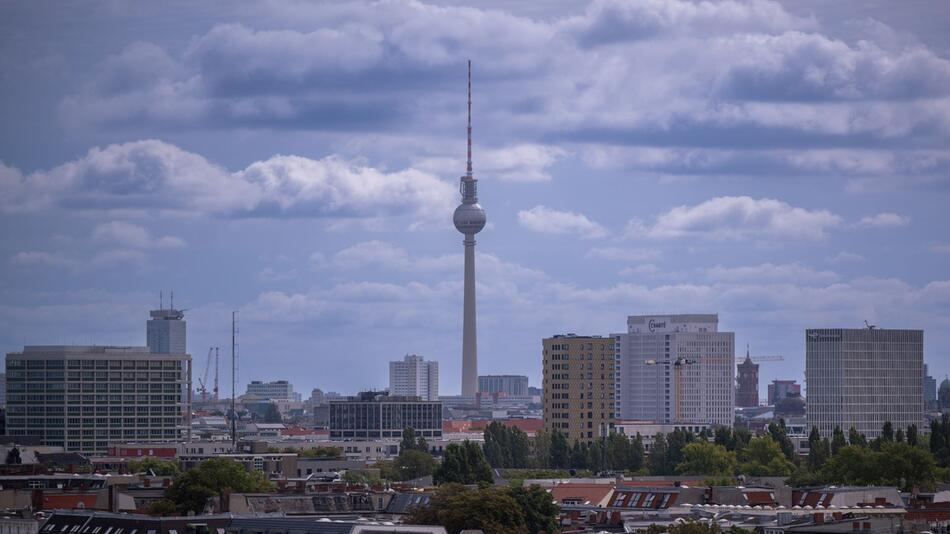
(468, 166)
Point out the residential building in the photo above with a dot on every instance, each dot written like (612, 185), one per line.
(676, 369)
(511, 385)
(83, 398)
(783, 389)
(579, 384)
(273, 391)
(378, 415)
(863, 377)
(930, 390)
(747, 392)
(414, 377)
(165, 332)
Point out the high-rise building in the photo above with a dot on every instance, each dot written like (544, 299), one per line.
(83, 398)
(930, 390)
(278, 390)
(413, 376)
(165, 331)
(864, 377)
(469, 219)
(579, 385)
(373, 415)
(677, 369)
(782, 389)
(3, 390)
(511, 385)
(747, 392)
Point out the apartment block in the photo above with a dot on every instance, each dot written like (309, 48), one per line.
(579, 385)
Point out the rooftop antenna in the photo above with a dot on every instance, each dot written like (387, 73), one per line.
(171, 304)
(468, 165)
(869, 326)
(161, 300)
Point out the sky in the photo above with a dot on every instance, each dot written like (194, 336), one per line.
(785, 165)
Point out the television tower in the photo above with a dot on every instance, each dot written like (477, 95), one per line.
(469, 218)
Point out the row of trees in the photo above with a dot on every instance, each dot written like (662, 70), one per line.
(511, 510)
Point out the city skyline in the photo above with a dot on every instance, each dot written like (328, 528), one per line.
(789, 172)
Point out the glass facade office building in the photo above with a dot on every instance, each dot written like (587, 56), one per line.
(379, 416)
(84, 398)
(864, 378)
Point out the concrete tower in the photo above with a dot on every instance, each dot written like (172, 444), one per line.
(469, 219)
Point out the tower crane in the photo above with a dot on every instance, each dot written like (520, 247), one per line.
(203, 380)
(760, 359)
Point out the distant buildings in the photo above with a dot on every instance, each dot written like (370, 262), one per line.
(165, 332)
(930, 390)
(944, 395)
(863, 378)
(747, 392)
(373, 415)
(278, 390)
(82, 398)
(3, 390)
(783, 389)
(676, 369)
(579, 384)
(512, 385)
(413, 376)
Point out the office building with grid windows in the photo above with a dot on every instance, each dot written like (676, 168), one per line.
(85, 397)
(676, 369)
(377, 415)
(864, 377)
(579, 386)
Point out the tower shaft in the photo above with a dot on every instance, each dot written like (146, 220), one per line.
(469, 341)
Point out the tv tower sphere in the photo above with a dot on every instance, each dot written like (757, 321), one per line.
(469, 218)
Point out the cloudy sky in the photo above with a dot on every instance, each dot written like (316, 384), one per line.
(785, 165)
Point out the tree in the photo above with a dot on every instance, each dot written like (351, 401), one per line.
(579, 455)
(838, 440)
(463, 464)
(818, 450)
(491, 510)
(906, 466)
(162, 507)
(412, 441)
(506, 446)
(856, 438)
(707, 459)
(676, 441)
(192, 489)
(899, 435)
(852, 465)
(541, 449)
(540, 511)
(763, 457)
(162, 468)
(887, 433)
(657, 461)
(777, 431)
(13, 456)
(272, 414)
(560, 451)
(912, 438)
(412, 464)
(624, 453)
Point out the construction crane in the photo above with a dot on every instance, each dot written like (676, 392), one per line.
(203, 380)
(760, 359)
(215, 390)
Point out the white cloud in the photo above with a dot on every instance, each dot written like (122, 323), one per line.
(769, 272)
(734, 218)
(940, 248)
(551, 221)
(623, 254)
(158, 175)
(32, 258)
(846, 257)
(884, 220)
(132, 235)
